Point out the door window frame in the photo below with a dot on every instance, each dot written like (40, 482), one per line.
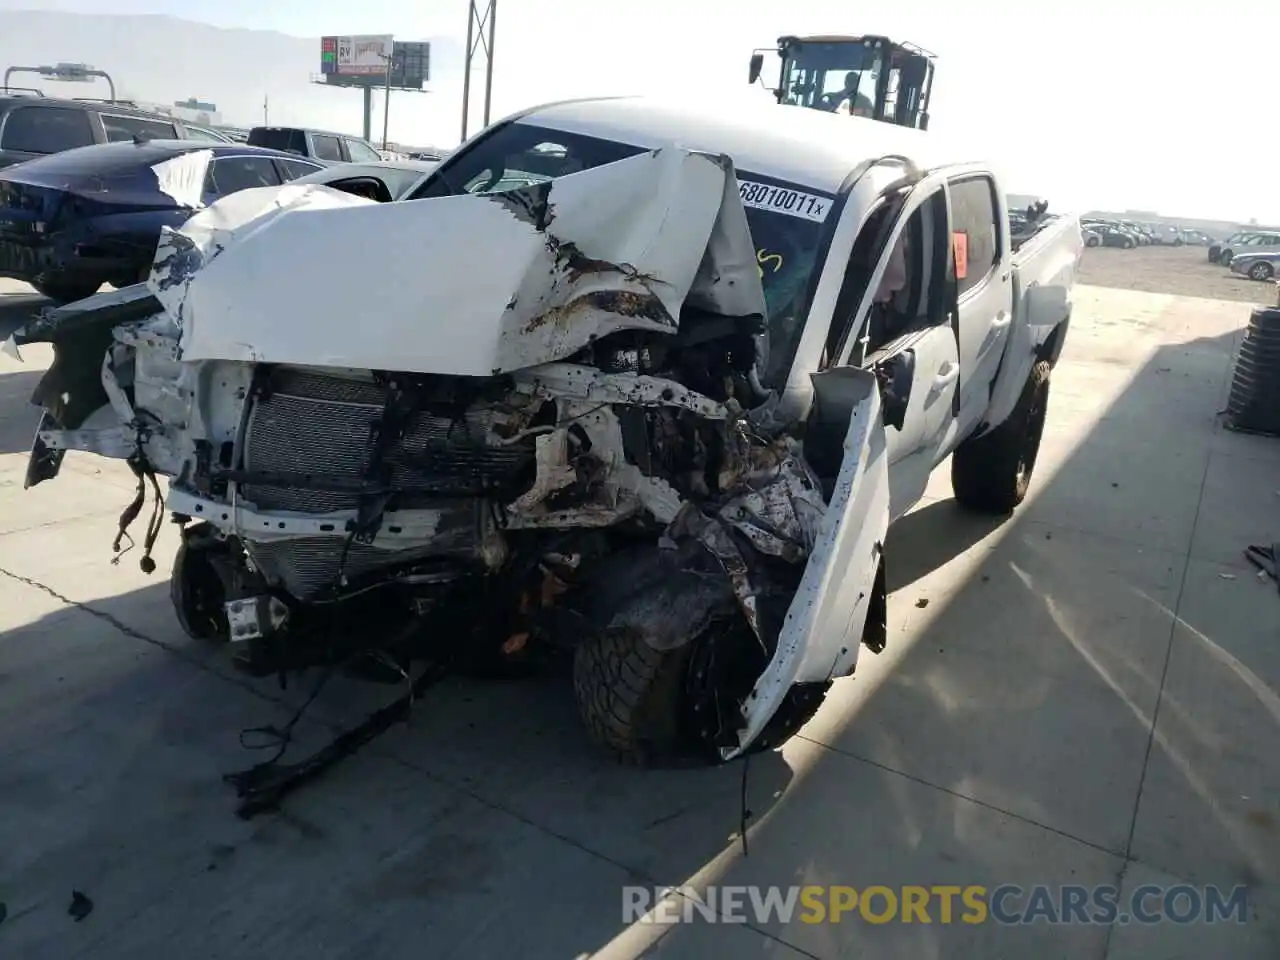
(337, 140)
(352, 141)
(850, 349)
(105, 115)
(282, 169)
(16, 109)
(999, 230)
(212, 183)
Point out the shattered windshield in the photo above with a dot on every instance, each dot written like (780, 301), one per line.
(787, 223)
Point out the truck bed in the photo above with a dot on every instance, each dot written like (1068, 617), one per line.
(1044, 270)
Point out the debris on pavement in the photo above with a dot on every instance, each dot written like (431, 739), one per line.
(81, 906)
(1267, 560)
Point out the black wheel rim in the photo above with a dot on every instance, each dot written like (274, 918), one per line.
(723, 666)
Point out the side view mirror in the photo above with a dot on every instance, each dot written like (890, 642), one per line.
(895, 375)
(757, 64)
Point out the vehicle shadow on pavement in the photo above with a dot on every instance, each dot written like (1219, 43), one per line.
(19, 418)
(929, 537)
(18, 308)
(1003, 737)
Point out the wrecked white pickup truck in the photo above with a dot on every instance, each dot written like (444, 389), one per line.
(639, 384)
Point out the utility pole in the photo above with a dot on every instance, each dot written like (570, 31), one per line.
(480, 18)
(264, 111)
(386, 103)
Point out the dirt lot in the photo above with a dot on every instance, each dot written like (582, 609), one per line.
(1181, 271)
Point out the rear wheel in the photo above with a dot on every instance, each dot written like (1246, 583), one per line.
(1128, 243)
(1224, 258)
(66, 291)
(1261, 271)
(992, 473)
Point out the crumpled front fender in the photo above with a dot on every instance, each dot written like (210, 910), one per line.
(822, 632)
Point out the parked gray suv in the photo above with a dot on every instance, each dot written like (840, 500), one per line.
(322, 146)
(35, 126)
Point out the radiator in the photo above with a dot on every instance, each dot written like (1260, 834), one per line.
(319, 424)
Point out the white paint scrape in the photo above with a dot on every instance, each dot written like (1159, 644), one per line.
(182, 177)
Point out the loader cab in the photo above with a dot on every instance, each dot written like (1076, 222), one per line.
(868, 76)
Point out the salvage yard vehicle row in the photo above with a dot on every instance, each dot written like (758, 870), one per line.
(647, 383)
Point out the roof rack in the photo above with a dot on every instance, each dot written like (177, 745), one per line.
(23, 91)
(118, 102)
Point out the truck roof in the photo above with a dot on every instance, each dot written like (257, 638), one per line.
(325, 133)
(811, 148)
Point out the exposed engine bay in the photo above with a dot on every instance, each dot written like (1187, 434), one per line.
(573, 452)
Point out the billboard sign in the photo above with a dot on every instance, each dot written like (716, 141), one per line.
(357, 56)
(411, 68)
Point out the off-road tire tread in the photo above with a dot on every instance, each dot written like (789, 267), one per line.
(621, 683)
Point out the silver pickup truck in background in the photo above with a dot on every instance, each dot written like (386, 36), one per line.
(639, 384)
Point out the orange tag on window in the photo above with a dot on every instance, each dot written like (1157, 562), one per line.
(960, 252)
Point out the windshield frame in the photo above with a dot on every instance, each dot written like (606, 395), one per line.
(447, 178)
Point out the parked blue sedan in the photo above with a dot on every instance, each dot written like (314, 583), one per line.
(72, 221)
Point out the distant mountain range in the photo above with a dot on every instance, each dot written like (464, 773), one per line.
(165, 59)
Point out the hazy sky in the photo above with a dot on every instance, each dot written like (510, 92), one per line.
(1121, 104)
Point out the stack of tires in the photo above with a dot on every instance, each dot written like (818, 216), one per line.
(1254, 404)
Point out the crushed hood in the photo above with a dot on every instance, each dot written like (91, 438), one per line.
(470, 284)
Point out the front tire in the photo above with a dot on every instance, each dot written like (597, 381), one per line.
(1261, 271)
(991, 473)
(652, 708)
(196, 590)
(1128, 244)
(63, 292)
(1225, 258)
(628, 696)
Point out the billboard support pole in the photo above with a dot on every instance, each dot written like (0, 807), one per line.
(476, 40)
(488, 71)
(386, 103)
(466, 68)
(368, 112)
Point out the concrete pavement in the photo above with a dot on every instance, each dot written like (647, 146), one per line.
(1088, 693)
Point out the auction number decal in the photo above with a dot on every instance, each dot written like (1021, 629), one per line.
(784, 200)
